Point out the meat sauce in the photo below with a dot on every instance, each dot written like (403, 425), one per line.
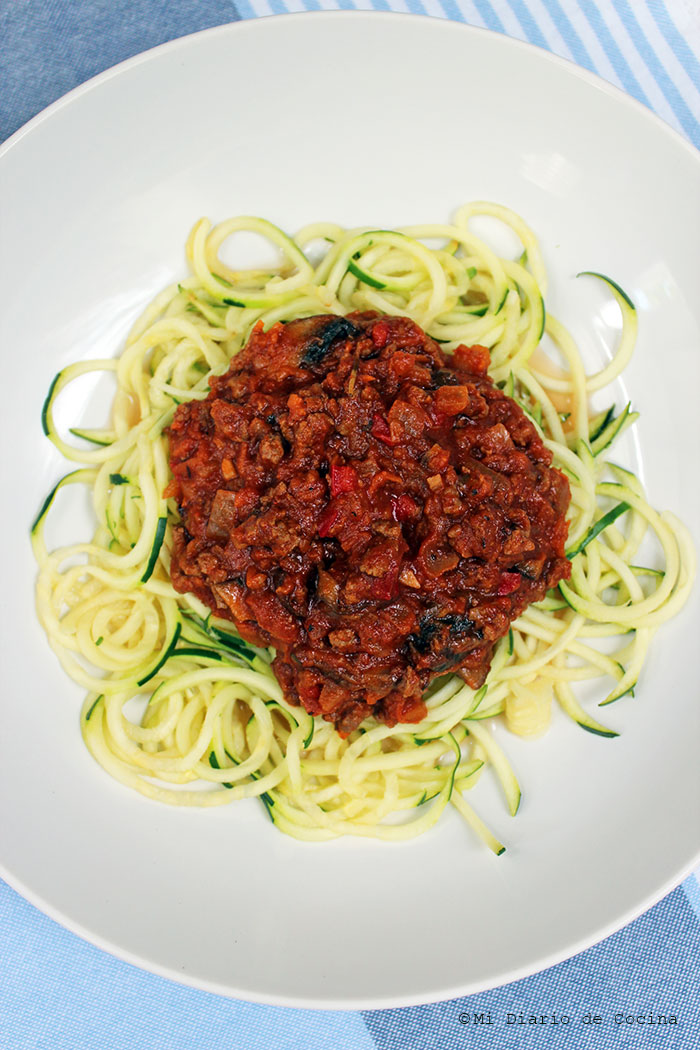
(376, 511)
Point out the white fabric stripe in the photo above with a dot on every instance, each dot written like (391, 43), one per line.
(511, 23)
(683, 81)
(441, 12)
(399, 5)
(470, 14)
(599, 57)
(261, 7)
(436, 10)
(549, 30)
(686, 15)
(627, 47)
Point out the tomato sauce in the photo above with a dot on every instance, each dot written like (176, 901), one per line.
(376, 510)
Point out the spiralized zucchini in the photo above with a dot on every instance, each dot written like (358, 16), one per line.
(180, 708)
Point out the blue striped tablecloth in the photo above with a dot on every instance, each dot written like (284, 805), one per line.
(59, 993)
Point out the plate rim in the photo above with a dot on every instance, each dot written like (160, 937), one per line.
(350, 1004)
(246, 24)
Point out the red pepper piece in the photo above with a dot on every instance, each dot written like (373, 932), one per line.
(509, 582)
(343, 479)
(329, 517)
(380, 333)
(381, 430)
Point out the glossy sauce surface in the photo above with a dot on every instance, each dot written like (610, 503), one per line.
(375, 510)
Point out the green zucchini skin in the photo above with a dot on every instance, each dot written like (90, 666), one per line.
(47, 404)
(155, 549)
(168, 652)
(595, 530)
(363, 276)
(613, 284)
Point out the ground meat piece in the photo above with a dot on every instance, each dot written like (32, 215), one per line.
(375, 509)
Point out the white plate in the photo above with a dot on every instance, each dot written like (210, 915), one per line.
(360, 119)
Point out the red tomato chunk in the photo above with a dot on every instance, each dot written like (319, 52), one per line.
(373, 508)
(343, 479)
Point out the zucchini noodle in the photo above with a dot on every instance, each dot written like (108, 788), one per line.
(179, 707)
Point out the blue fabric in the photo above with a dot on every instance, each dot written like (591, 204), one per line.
(48, 47)
(59, 993)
